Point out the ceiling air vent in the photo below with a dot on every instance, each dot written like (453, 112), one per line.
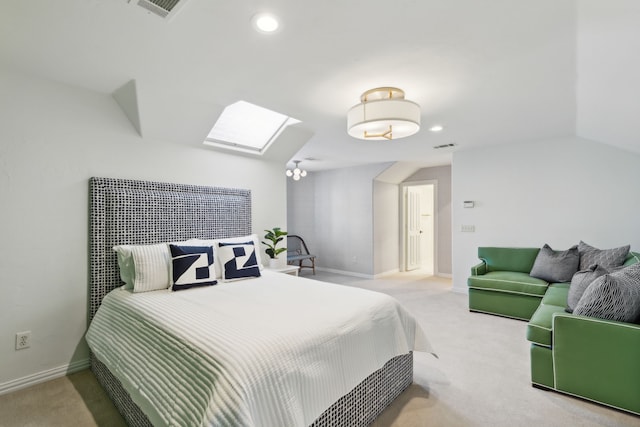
(163, 8)
(438, 147)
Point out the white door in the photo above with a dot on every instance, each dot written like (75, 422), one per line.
(413, 249)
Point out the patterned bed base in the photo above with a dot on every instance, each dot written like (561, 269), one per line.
(358, 408)
(140, 212)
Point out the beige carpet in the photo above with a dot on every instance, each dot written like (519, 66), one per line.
(480, 379)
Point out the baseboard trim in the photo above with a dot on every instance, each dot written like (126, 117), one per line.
(386, 273)
(43, 376)
(346, 273)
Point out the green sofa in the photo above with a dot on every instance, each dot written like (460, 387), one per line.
(501, 284)
(595, 359)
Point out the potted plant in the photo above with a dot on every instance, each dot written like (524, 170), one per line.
(274, 236)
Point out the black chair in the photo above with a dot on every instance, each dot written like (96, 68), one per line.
(297, 252)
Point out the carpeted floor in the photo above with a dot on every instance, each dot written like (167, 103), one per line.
(481, 377)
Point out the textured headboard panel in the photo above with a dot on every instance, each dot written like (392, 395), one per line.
(140, 212)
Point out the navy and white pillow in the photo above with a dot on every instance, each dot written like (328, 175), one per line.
(239, 260)
(192, 266)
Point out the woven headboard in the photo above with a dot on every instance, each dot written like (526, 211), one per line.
(140, 212)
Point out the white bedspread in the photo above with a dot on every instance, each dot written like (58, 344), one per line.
(272, 351)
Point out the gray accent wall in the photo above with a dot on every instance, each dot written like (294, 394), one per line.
(441, 174)
(333, 212)
(351, 220)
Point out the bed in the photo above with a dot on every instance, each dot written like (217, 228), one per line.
(272, 358)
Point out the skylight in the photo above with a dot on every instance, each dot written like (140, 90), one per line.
(247, 127)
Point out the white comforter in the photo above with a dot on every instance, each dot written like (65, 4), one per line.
(272, 351)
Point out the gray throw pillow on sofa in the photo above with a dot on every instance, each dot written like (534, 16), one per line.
(579, 283)
(603, 257)
(555, 266)
(614, 296)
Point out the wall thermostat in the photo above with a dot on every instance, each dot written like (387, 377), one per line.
(468, 203)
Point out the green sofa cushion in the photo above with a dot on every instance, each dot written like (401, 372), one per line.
(509, 281)
(539, 327)
(508, 259)
(557, 294)
(554, 301)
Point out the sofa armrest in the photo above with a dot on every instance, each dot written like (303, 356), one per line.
(479, 269)
(597, 359)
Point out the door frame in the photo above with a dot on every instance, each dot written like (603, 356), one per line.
(403, 222)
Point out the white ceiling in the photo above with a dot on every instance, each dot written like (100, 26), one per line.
(490, 71)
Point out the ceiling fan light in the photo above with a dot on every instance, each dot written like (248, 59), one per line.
(296, 173)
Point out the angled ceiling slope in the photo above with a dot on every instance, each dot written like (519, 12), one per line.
(127, 98)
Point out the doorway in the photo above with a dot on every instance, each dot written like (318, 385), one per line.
(419, 227)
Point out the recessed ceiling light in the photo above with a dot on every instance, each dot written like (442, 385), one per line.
(436, 128)
(265, 22)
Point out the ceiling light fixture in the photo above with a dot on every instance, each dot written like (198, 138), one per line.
(296, 172)
(383, 113)
(265, 22)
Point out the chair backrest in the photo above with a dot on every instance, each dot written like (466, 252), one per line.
(295, 245)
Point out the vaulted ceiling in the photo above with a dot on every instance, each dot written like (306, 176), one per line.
(491, 71)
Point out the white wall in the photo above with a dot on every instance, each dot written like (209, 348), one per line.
(557, 192)
(441, 174)
(386, 227)
(52, 139)
(608, 65)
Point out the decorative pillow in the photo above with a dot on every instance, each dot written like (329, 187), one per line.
(603, 257)
(214, 242)
(579, 283)
(555, 266)
(191, 266)
(125, 265)
(144, 267)
(614, 296)
(239, 260)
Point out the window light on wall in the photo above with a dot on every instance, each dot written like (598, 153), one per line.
(248, 127)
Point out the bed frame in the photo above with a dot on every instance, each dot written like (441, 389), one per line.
(141, 212)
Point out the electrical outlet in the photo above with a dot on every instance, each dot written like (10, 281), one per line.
(23, 340)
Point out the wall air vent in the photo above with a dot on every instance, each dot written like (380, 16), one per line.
(163, 8)
(438, 147)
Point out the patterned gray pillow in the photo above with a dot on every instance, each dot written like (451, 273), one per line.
(579, 283)
(614, 296)
(603, 257)
(555, 266)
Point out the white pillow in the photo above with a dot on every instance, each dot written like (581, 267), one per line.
(145, 267)
(242, 239)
